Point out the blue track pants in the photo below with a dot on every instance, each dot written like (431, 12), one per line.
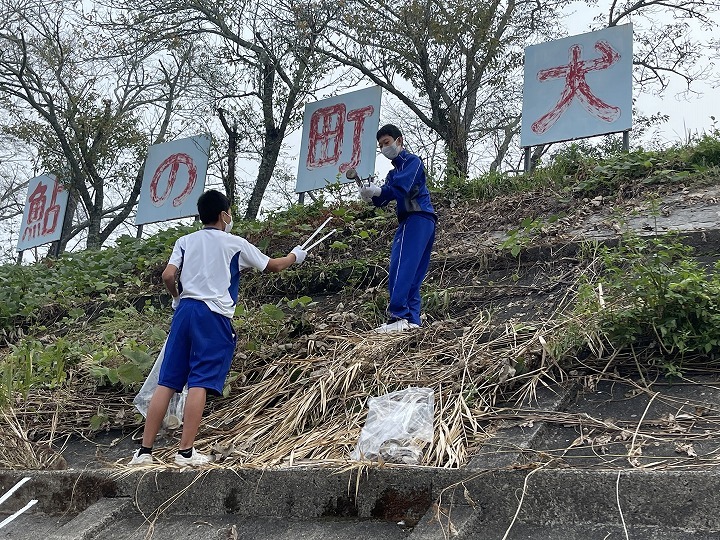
(409, 261)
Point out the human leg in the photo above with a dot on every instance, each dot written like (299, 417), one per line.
(409, 263)
(425, 233)
(401, 257)
(155, 414)
(213, 345)
(171, 379)
(394, 309)
(192, 415)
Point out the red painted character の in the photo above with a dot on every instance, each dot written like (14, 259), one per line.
(173, 162)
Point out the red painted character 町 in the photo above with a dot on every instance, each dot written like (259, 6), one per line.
(577, 87)
(327, 134)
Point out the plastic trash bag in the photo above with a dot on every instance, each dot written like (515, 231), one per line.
(398, 426)
(174, 414)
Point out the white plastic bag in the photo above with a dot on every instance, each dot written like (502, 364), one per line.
(174, 414)
(398, 426)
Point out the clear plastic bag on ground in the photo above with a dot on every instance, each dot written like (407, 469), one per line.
(174, 414)
(398, 426)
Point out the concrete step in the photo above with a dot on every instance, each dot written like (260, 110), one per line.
(235, 528)
(94, 519)
(86, 525)
(322, 503)
(525, 531)
(31, 526)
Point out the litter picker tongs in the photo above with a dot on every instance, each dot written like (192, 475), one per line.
(307, 247)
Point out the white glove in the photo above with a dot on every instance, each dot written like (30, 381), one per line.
(175, 302)
(299, 253)
(368, 192)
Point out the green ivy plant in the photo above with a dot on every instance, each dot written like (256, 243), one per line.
(655, 294)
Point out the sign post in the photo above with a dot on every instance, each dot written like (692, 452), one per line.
(576, 87)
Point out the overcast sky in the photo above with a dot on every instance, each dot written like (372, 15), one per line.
(688, 113)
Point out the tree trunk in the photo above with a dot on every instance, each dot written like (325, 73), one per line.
(229, 181)
(95, 216)
(232, 157)
(271, 151)
(58, 247)
(457, 156)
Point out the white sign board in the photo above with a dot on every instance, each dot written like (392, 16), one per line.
(173, 179)
(338, 134)
(44, 212)
(578, 86)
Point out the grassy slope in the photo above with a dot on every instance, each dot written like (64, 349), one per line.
(79, 334)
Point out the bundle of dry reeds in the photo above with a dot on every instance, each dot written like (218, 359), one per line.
(311, 408)
(309, 405)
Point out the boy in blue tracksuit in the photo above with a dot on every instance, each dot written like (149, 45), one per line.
(410, 254)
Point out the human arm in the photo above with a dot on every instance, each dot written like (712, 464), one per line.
(171, 273)
(169, 277)
(400, 181)
(297, 255)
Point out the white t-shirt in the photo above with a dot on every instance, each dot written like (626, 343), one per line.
(210, 261)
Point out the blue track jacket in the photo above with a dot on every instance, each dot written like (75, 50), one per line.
(406, 184)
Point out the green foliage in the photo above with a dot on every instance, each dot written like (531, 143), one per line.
(119, 352)
(655, 294)
(706, 151)
(375, 308)
(58, 288)
(486, 186)
(529, 229)
(270, 323)
(588, 170)
(678, 164)
(33, 365)
(436, 302)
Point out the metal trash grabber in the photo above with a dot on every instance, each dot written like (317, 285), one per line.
(313, 235)
(352, 174)
(305, 246)
(323, 238)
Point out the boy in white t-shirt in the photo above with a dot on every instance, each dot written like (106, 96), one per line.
(202, 276)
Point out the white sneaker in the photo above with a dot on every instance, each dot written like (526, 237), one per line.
(195, 460)
(140, 459)
(396, 326)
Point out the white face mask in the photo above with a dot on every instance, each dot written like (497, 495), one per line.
(228, 226)
(390, 151)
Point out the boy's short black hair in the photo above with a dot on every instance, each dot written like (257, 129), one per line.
(210, 204)
(388, 129)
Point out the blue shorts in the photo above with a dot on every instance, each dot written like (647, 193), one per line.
(199, 349)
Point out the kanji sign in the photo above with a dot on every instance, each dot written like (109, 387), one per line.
(44, 212)
(173, 179)
(338, 134)
(578, 87)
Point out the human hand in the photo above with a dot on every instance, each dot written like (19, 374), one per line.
(299, 253)
(369, 191)
(175, 302)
